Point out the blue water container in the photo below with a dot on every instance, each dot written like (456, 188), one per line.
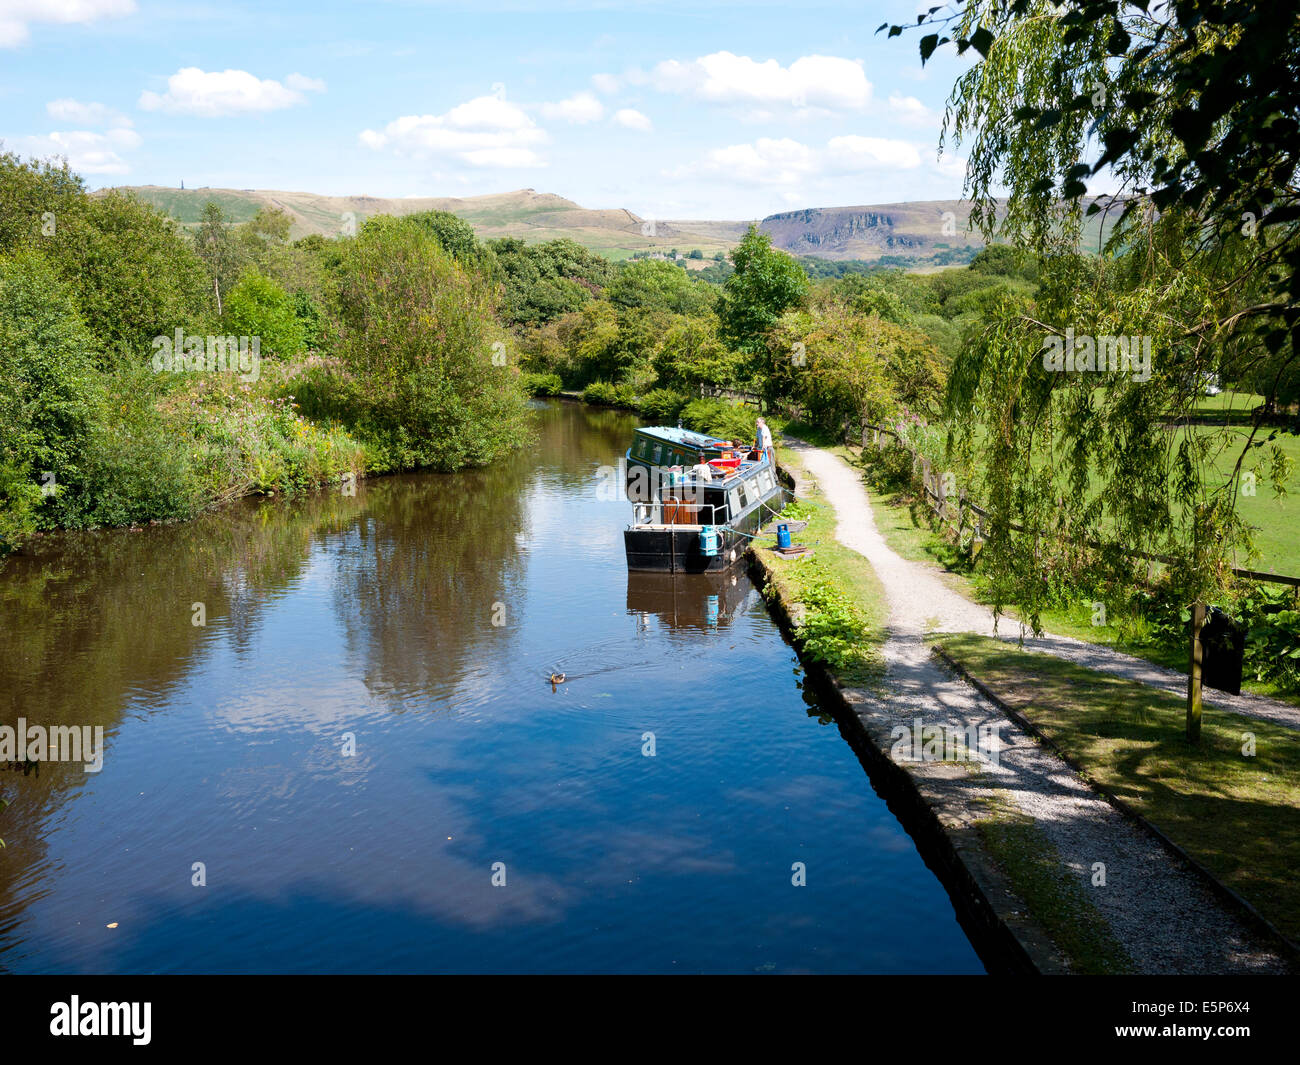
(782, 536)
(708, 541)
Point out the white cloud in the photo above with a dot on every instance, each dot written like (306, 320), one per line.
(302, 83)
(86, 114)
(811, 81)
(952, 166)
(87, 152)
(16, 16)
(767, 161)
(487, 131)
(632, 119)
(606, 83)
(211, 94)
(867, 153)
(911, 111)
(788, 167)
(579, 108)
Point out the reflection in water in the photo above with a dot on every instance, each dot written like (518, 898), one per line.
(363, 729)
(704, 601)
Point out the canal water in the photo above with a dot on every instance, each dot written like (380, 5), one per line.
(356, 763)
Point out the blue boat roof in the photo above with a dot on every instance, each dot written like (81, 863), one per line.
(681, 437)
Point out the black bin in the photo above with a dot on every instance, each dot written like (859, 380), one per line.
(1223, 646)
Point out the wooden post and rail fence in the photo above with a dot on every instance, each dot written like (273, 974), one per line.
(936, 497)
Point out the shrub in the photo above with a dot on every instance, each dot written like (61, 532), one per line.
(662, 405)
(310, 319)
(1273, 636)
(258, 307)
(542, 384)
(135, 466)
(721, 419)
(602, 393)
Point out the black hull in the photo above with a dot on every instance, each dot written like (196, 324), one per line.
(676, 549)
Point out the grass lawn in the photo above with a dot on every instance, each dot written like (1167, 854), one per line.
(1236, 813)
(1275, 520)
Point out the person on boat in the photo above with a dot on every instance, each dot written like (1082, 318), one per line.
(702, 471)
(763, 440)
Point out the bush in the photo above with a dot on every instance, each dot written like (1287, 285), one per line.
(135, 467)
(310, 319)
(601, 393)
(1273, 636)
(258, 307)
(719, 418)
(542, 384)
(662, 405)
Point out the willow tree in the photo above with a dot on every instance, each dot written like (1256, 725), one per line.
(1188, 113)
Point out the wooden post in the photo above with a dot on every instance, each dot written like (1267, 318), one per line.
(1194, 676)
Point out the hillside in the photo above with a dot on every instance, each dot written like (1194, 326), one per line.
(525, 213)
(921, 233)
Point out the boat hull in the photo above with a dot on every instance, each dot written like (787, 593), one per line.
(677, 549)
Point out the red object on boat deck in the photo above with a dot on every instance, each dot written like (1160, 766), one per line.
(728, 460)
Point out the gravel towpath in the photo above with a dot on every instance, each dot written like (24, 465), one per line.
(1159, 910)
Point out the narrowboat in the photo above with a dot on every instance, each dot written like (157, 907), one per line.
(684, 522)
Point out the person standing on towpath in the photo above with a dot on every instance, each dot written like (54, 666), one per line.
(763, 439)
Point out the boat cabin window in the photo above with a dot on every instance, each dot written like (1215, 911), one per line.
(733, 501)
(658, 450)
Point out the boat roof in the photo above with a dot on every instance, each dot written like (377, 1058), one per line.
(680, 437)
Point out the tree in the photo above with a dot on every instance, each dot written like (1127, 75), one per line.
(691, 355)
(765, 284)
(36, 197)
(1193, 108)
(416, 334)
(454, 235)
(133, 274)
(847, 369)
(868, 296)
(654, 284)
(130, 272)
(47, 385)
(217, 249)
(547, 280)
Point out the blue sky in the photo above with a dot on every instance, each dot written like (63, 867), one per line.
(673, 110)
